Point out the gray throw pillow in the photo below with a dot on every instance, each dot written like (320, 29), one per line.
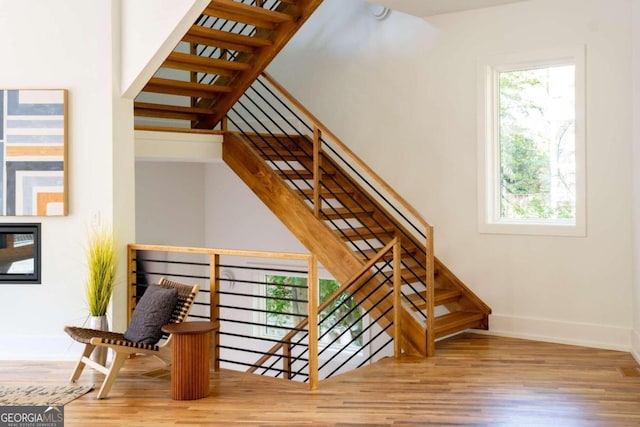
(152, 312)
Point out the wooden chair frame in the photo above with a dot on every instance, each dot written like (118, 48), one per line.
(123, 348)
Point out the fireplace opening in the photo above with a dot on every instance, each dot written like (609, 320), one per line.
(20, 253)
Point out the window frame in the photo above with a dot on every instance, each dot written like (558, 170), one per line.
(489, 68)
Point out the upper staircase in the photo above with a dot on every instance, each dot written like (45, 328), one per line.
(216, 61)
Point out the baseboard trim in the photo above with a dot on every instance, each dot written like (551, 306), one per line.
(562, 332)
(61, 347)
(635, 345)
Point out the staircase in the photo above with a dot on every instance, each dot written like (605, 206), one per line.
(308, 179)
(216, 61)
(334, 204)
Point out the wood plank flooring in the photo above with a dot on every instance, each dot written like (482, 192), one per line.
(474, 380)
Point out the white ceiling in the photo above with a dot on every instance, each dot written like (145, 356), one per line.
(423, 8)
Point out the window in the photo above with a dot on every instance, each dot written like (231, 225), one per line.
(285, 303)
(531, 144)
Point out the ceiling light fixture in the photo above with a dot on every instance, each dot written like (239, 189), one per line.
(379, 12)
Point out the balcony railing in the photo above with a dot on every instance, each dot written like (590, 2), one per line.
(234, 290)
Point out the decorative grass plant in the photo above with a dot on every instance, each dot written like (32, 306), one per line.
(102, 265)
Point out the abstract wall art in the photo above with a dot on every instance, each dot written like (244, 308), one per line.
(33, 147)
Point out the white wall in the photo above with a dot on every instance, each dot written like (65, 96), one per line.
(402, 94)
(636, 176)
(66, 44)
(237, 219)
(170, 203)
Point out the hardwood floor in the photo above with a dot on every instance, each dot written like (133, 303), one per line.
(477, 380)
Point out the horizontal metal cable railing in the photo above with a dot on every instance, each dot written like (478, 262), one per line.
(337, 186)
(265, 302)
(232, 291)
(354, 326)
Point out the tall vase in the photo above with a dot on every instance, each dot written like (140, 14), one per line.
(99, 354)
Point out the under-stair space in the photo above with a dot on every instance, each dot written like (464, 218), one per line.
(218, 58)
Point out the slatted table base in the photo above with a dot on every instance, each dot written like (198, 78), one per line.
(191, 359)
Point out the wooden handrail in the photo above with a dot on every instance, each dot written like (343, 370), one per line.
(216, 251)
(397, 327)
(214, 272)
(430, 280)
(344, 288)
(356, 160)
(312, 317)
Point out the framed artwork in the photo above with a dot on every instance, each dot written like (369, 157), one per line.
(33, 152)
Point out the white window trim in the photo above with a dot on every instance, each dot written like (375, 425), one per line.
(489, 220)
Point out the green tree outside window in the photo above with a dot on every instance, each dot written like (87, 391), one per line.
(285, 299)
(537, 143)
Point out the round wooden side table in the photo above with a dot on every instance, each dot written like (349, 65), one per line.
(190, 358)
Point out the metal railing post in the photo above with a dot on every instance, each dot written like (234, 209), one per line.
(286, 360)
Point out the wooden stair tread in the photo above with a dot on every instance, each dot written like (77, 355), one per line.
(407, 258)
(300, 174)
(277, 156)
(327, 192)
(211, 37)
(177, 130)
(441, 295)
(362, 233)
(456, 321)
(344, 213)
(247, 14)
(176, 87)
(185, 61)
(249, 10)
(167, 107)
(295, 174)
(415, 274)
(277, 142)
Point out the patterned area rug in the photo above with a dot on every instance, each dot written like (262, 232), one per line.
(41, 395)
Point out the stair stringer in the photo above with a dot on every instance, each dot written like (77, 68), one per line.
(313, 233)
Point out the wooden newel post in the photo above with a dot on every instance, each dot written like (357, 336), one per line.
(430, 281)
(313, 321)
(214, 307)
(397, 283)
(286, 360)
